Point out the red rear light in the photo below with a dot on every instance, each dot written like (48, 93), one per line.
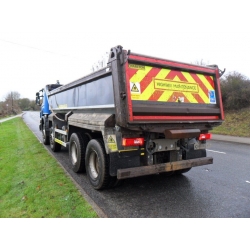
(205, 137)
(127, 142)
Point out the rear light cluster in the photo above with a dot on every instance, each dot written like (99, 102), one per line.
(203, 137)
(128, 142)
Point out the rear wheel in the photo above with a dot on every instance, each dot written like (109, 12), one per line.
(55, 147)
(77, 151)
(182, 171)
(167, 173)
(97, 164)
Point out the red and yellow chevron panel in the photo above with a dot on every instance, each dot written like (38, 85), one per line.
(166, 85)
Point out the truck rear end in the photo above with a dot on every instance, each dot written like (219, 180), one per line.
(139, 115)
(170, 107)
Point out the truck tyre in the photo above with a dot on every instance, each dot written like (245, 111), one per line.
(182, 171)
(46, 140)
(77, 150)
(97, 164)
(55, 147)
(167, 173)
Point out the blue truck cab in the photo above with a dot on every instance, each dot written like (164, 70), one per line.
(43, 101)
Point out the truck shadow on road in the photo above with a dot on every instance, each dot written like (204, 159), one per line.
(156, 196)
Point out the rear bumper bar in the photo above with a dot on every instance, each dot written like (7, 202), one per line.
(163, 167)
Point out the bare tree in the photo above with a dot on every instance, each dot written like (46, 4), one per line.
(11, 102)
(200, 62)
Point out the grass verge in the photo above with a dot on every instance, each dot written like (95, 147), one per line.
(32, 184)
(237, 123)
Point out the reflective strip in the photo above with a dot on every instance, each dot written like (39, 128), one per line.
(61, 142)
(155, 84)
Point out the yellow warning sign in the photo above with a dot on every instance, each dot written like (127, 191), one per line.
(134, 88)
(111, 140)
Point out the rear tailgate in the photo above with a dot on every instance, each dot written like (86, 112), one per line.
(166, 91)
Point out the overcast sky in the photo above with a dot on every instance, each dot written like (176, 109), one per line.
(45, 41)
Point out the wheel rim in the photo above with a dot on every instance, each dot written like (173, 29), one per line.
(74, 153)
(93, 165)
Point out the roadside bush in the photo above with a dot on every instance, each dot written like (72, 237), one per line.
(235, 89)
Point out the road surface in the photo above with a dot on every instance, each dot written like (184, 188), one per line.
(220, 190)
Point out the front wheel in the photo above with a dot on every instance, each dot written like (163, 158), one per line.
(97, 164)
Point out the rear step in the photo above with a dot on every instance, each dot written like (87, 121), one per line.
(163, 167)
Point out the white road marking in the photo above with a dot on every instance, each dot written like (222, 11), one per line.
(216, 151)
(248, 181)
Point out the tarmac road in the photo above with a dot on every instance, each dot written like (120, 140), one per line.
(220, 190)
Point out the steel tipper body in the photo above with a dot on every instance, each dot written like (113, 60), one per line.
(140, 115)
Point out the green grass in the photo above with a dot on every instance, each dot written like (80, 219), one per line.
(32, 184)
(3, 117)
(237, 123)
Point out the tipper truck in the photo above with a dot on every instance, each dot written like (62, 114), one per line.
(138, 115)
